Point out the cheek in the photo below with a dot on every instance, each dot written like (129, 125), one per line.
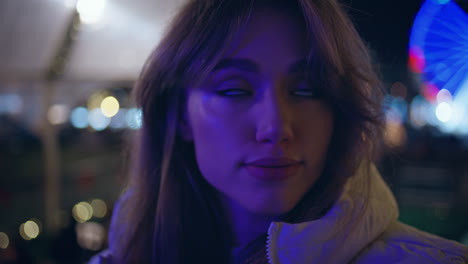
(320, 131)
(216, 118)
(321, 125)
(209, 118)
(217, 133)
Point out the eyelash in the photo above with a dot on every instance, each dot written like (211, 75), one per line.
(235, 87)
(241, 92)
(311, 93)
(238, 92)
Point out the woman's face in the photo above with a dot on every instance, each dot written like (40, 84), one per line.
(260, 129)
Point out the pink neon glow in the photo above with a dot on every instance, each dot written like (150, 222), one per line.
(430, 91)
(416, 59)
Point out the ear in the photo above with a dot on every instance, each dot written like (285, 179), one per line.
(185, 130)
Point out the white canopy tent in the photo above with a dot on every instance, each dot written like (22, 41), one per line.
(113, 41)
(107, 46)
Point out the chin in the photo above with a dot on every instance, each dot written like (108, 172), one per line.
(271, 209)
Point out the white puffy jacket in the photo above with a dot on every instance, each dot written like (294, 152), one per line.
(376, 238)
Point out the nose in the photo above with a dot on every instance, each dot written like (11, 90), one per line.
(274, 116)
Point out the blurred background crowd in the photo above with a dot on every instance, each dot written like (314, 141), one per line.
(66, 72)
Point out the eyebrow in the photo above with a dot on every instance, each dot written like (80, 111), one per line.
(240, 64)
(250, 66)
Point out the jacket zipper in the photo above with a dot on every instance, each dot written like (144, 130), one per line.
(268, 249)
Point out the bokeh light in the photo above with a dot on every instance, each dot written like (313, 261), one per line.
(444, 95)
(419, 109)
(134, 118)
(110, 106)
(4, 240)
(57, 114)
(457, 116)
(443, 112)
(99, 208)
(82, 212)
(90, 235)
(22, 233)
(79, 117)
(90, 10)
(10, 103)
(118, 121)
(29, 230)
(97, 120)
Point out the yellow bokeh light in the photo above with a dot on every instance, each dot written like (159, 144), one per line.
(38, 223)
(110, 106)
(29, 230)
(82, 212)
(4, 240)
(22, 233)
(99, 208)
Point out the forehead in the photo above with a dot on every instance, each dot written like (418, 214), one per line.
(269, 32)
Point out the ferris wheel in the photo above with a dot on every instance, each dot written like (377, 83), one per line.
(438, 55)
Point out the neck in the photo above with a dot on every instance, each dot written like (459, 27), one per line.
(245, 225)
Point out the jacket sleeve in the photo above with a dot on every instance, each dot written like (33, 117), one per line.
(407, 245)
(104, 257)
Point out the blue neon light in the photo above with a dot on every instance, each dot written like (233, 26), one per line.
(440, 30)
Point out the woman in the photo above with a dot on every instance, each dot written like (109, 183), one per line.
(261, 122)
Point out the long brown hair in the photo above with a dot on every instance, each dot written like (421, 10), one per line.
(169, 213)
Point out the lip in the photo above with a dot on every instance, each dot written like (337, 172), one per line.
(273, 162)
(273, 169)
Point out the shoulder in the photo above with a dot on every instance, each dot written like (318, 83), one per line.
(401, 243)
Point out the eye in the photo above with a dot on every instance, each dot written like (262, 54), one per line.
(304, 88)
(233, 88)
(233, 92)
(304, 93)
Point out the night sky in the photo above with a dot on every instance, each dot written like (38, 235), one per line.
(385, 25)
